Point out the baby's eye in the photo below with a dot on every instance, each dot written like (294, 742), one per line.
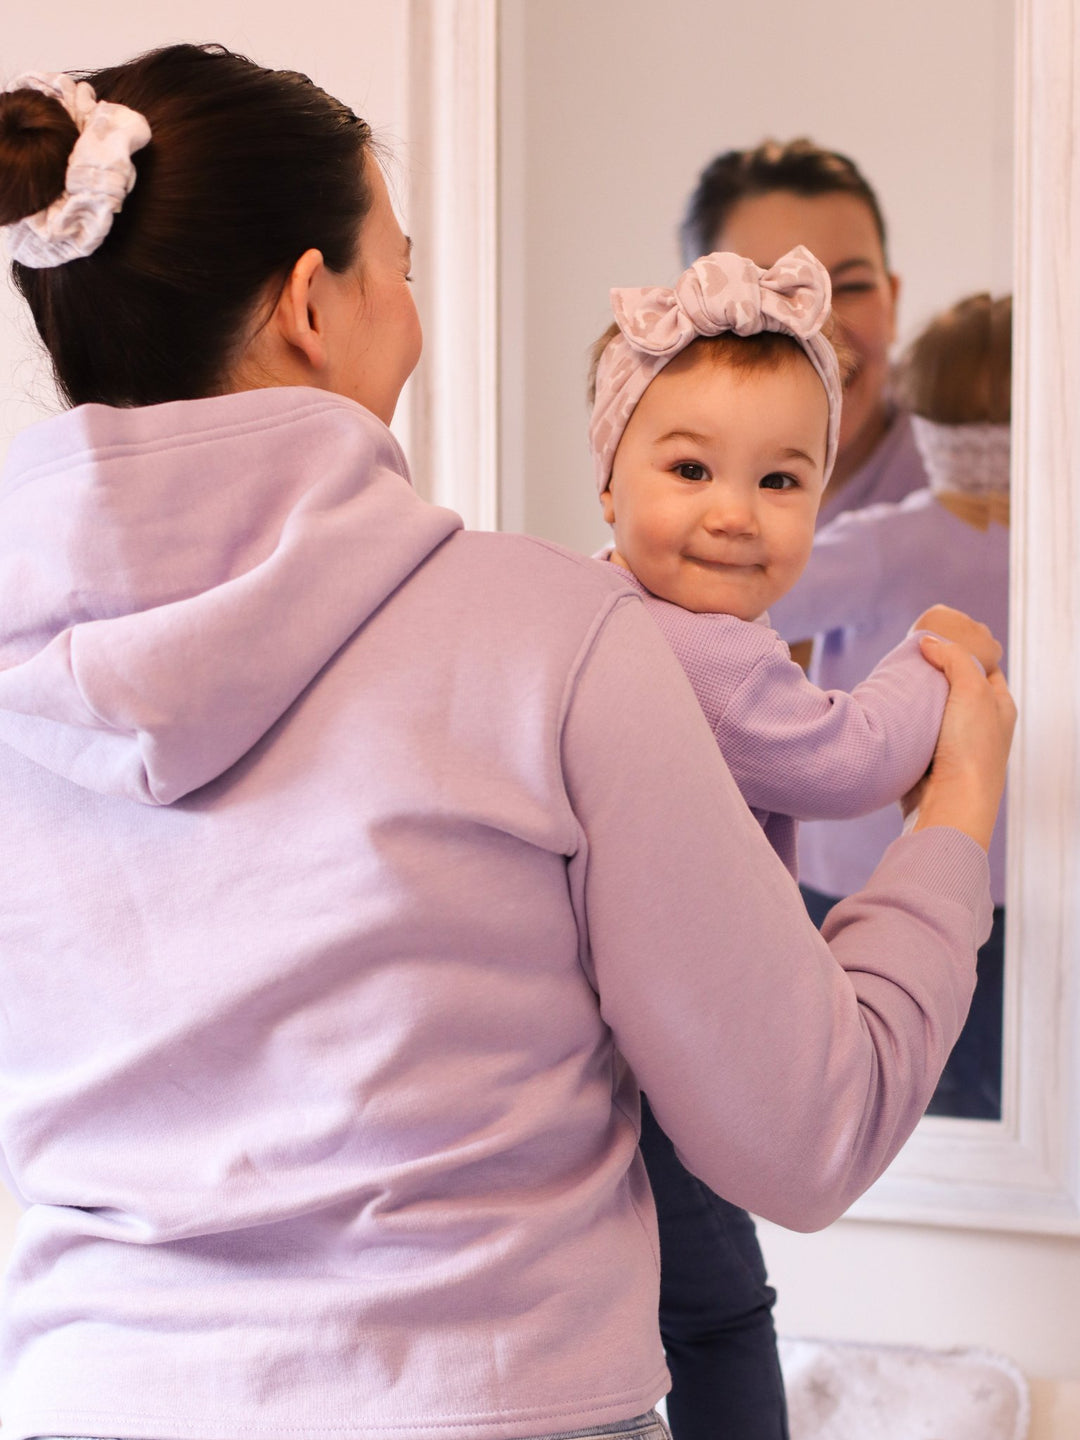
(777, 480)
(691, 470)
(855, 287)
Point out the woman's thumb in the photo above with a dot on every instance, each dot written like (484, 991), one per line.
(954, 661)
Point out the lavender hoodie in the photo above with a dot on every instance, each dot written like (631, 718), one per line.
(357, 871)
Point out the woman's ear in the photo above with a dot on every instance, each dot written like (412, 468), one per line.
(298, 316)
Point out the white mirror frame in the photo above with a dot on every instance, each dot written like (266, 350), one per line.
(1024, 1172)
(453, 168)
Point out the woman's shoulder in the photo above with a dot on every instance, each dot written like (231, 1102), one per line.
(551, 572)
(516, 596)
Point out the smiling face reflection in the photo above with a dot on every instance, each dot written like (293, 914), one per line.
(840, 230)
(717, 480)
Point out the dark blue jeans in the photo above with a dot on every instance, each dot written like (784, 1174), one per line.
(715, 1307)
(970, 1084)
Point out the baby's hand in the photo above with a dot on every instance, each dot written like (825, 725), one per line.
(954, 625)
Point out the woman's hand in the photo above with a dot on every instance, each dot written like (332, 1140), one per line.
(964, 784)
(954, 625)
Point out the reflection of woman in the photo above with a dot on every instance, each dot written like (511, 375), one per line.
(348, 890)
(873, 571)
(764, 201)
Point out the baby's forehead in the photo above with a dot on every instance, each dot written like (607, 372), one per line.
(704, 400)
(764, 352)
(715, 366)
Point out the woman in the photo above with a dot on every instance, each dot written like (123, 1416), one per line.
(351, 896)
(763, 201)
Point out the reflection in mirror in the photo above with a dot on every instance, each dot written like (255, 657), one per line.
(915, 516)
(602, 147)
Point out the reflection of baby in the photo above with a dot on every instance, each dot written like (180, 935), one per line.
(715, 416)
(871, 570)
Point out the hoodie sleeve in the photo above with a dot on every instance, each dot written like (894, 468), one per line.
(788, 1071)
(827, 754)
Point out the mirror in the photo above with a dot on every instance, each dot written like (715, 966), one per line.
(632, 130)
(600, 144)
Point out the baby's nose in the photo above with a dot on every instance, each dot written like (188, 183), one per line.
(731, 514)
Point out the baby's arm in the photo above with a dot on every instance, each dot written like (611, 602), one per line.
(829, 755)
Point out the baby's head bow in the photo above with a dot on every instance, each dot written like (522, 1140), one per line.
(718, 293)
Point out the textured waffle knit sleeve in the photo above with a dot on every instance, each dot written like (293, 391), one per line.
(796, 750)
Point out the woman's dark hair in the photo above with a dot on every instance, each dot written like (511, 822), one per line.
(245, 170)
(799, 166)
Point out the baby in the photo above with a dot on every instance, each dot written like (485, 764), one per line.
(716, 409)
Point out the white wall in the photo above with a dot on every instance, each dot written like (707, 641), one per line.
(609, 109)
(1015, 1294)
(355, 49)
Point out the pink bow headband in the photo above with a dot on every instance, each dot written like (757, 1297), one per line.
(719, 292)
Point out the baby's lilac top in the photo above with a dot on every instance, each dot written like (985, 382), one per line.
(795, 751)
(357, 871)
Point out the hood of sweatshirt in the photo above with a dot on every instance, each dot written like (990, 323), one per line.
(173, 577)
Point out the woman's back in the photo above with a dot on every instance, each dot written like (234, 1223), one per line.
(323, 1018)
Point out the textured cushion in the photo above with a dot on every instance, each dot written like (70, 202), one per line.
(843, 1391)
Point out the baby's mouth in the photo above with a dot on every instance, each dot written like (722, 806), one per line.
(726, 566)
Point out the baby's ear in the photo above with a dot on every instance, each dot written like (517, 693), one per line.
(607, 505)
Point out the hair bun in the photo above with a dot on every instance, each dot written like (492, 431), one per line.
(36, 138)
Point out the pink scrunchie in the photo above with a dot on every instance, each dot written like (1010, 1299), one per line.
(100, 174)
(719, 292)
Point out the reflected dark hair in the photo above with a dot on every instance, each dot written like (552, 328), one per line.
(959, 370)
(246, 169)
(798, 166)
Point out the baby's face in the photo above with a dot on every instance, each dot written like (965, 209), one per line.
(717, 481)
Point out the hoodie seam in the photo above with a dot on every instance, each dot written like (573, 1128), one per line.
(585, 649)
(73, 666)
(179, 442)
